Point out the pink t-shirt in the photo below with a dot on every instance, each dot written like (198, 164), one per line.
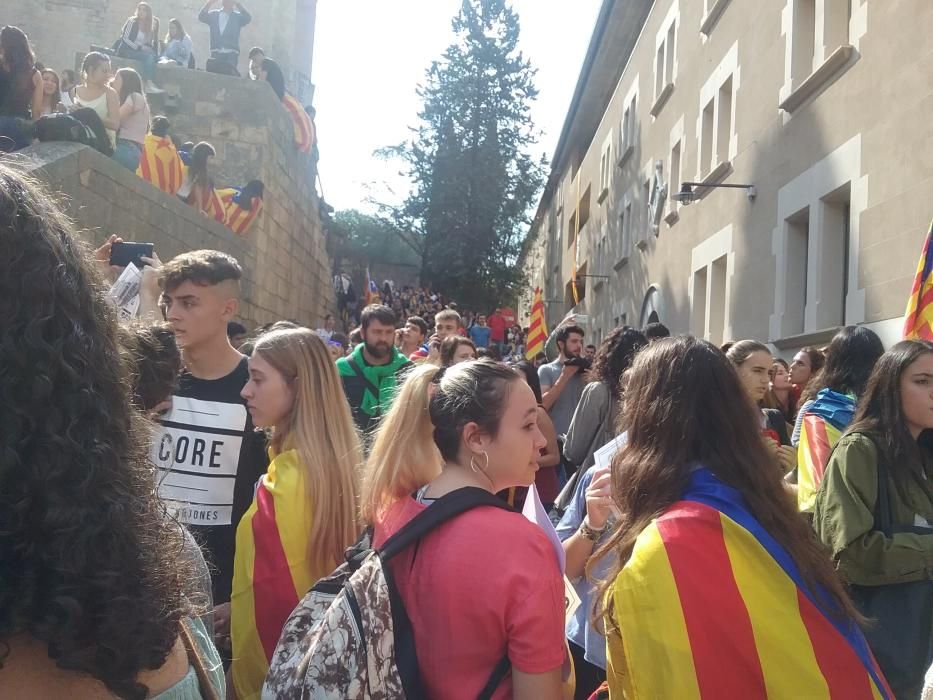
(480, 586)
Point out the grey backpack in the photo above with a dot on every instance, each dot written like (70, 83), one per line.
(350, 637)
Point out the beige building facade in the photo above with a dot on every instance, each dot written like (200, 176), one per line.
(822, 107)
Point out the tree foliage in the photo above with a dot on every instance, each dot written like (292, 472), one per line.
(374, 238)
(473, 180)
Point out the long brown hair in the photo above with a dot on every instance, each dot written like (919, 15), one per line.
(880, 413)
(672, 425)
(151, 26)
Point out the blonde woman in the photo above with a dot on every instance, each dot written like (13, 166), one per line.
(489, 574)
(304, 514)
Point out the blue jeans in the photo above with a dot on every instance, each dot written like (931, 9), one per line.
(127, 154)
(146, 58)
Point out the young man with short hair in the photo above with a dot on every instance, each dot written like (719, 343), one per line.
(480, 333)
(225, 23)
(371, 372)
(413, 335)
(562, 383)
(207, 454)
(590, 352)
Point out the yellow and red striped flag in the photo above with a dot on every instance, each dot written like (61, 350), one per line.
(271, 572)
(711, 605)
(918, 320)
(236, 218)
(160, 164)
(537, 330)
(304, 127)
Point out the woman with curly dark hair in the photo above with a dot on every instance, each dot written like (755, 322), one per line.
(91, 598)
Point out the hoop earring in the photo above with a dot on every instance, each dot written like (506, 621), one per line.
(476, 469)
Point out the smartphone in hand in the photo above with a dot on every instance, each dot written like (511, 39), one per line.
(124, 253)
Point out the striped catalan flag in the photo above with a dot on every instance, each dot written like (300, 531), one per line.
(918, 319)
(271, 571)
(236, 218)
(823, 424)
(711, 606)
(537, 329)
(209, 203)
(160, 164)
(304, 127)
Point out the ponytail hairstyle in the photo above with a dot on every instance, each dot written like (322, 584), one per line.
(321, 429)
(91, 61)
(424, 428)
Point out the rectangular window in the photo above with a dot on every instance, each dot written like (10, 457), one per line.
(584, 207)
(605, 169)
(706, 138)
(669, 48)
(659, 81)
(717, 301)
(798, 246)
(675, 180)
(698, 312)
(571, 229)
(627, 131)
(833, 275)
(724, 125)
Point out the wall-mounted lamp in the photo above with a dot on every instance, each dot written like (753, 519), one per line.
(687, 195)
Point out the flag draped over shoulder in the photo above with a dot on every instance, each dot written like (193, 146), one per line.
(209, 203)
(823, 424)
(160, 164)
(271, 570)
(711, 606)
(537, 329)
(918, 319)
(304, 127)
(236, 218)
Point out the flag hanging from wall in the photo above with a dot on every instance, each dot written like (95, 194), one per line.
(537, 330)
(918, 319)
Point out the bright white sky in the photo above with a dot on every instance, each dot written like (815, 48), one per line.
(370, 55)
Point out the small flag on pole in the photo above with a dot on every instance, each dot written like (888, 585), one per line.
(372, 292)
(918, 319)
(537, 331)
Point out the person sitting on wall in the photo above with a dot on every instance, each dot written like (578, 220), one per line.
(139, 41)
(179, 50)
(159, 162)
(256, 57)
(225, 24)
(271, 72)
(198, 186)
(241, 205)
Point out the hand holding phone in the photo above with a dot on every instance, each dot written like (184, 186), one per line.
(123, 253)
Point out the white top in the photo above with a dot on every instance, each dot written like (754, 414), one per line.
(99, 105)
(222, 21)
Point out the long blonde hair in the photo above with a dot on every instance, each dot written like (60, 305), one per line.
(403, 457)
(320, 428)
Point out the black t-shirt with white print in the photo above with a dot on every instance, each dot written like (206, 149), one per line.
(209, 458)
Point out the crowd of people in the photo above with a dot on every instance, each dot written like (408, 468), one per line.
(180, 518)
(111, 112)
(193, 509)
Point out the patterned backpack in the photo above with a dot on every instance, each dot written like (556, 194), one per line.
(350, 637)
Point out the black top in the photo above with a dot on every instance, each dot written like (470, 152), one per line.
(209, 458)
(15, 96)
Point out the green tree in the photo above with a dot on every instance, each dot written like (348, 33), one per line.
(374, 238)
(473, 180)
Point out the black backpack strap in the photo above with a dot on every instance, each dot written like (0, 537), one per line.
(370, 387)
(498, 675)
(443, 509)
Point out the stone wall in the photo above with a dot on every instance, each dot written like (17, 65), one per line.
(60, 28)
(288, 269)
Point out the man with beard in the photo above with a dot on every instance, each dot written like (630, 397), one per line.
(371, 372)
